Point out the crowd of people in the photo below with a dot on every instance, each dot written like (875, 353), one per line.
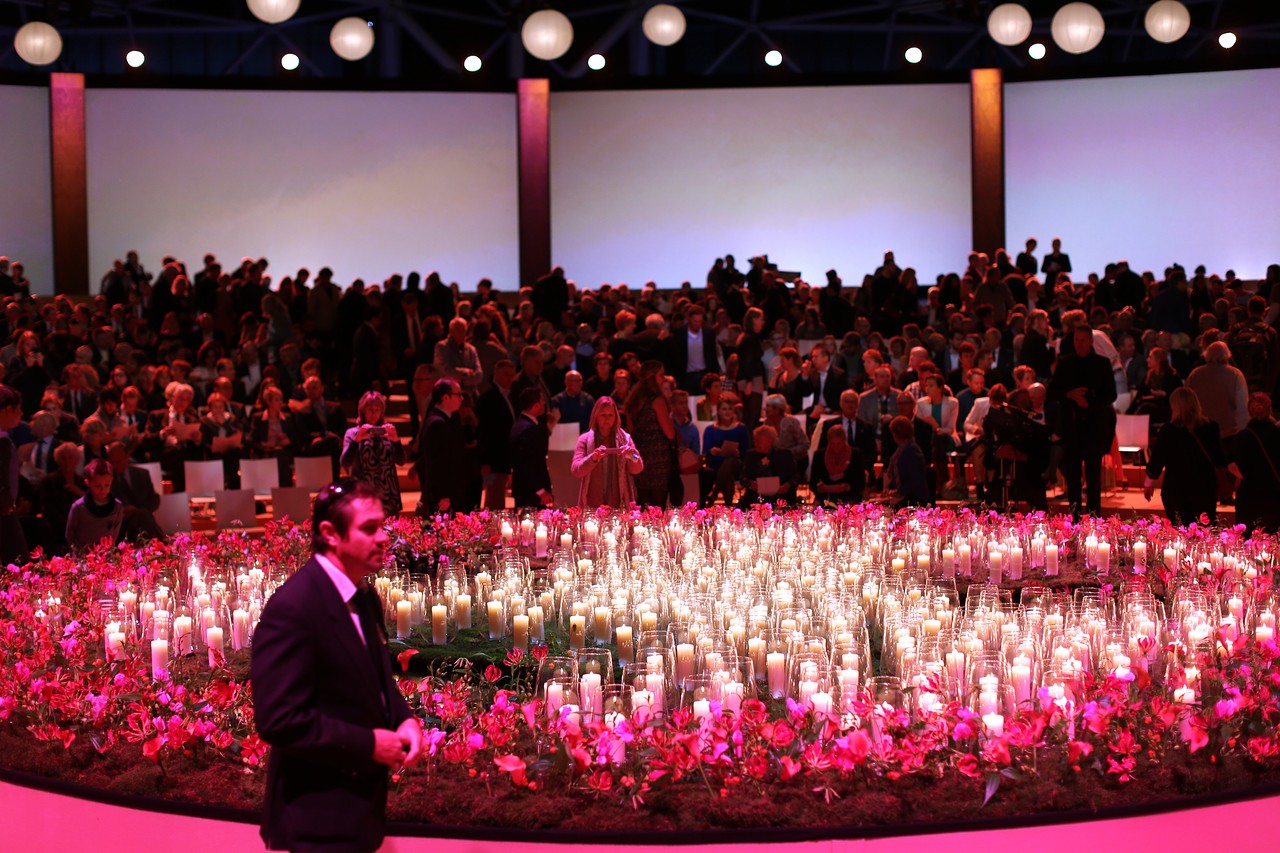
(746, 387)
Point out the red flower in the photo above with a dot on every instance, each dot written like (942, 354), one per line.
(790, 767)
(404, 657)
(492, 674)
(539, 652)
(514, 656)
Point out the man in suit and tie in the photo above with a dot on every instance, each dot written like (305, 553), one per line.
(78, 398)
(828, 382)
(132, 486)
(496, 414)
(321, 423)
(879, 405)
(39, 454)
(324, 695)
(860, 435)
(530, 478)
(692, 352)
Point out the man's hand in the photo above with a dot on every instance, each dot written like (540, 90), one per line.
(410, 733)
(1079, 396)
(388, 746)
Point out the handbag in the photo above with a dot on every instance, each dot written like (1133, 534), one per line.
(1226, 480)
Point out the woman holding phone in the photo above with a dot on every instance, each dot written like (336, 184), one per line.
(371, 450)
(605, 460)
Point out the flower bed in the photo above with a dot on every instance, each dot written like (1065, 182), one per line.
(1121, 729)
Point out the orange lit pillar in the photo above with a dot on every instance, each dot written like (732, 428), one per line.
(987, 113)
(534, 124)
(70, 185)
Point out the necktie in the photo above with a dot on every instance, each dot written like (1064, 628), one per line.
(848, 429)
(365, 602)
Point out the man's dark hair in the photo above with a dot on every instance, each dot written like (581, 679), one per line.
(528, 397)
(109, 395)
(333, 505)
(9, 397)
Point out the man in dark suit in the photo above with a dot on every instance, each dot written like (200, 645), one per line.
(551, 296)
(13, 543)
(692, 352)
(530, 479)
(324, 695)
(445, 466)
(321, 423)
(860, 434)
(1084, 388)
(1053, 263)
(496, 414)
(132, 486)
(78, 398)
(828, 383)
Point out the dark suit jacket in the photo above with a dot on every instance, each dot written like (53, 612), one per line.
(1093, 426)
(529, 471)
(310, 428)
(318, 694)
(445, 467)
(495, 419)
(676, 352)
(835, 385)
(88, 404)
(864, 444)
(134, 488)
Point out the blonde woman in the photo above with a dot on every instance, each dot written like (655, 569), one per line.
(371, 450)
(605, 460)
(1188, 451)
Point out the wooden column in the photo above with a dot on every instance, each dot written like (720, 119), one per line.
(534, 119)
(70, 186)
(987, 111)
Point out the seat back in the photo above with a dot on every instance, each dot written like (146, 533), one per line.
(291, 503)
(174, 513)
(1133, 433)
(312, 472)
(234, 508)
(204, 478)
(259, 476)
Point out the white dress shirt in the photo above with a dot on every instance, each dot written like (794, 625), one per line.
(346, 589)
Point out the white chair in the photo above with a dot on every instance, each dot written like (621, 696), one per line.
(157, 476)
(291, 503)
(174, 513)
(694, 402)
(564, 437)
(259, 476)
(312, 472)
(234, 508)
(1133, 434)
(816, 438)
(204, 478)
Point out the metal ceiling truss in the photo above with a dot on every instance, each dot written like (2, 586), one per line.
(423, 43)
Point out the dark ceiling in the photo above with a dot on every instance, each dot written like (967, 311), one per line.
(422, 44)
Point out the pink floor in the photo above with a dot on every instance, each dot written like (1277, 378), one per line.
(33, 821)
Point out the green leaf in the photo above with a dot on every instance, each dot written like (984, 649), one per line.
(993, 785)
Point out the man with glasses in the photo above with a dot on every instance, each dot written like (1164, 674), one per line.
(446, 468)
(324, 695)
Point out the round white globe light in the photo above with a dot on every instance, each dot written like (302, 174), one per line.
(663, 25)
(547, 34)
(1036, 51)
(914, 55)
(1167, 21)
(773, 58)
(1078, 28)
(472, 63)
(1227, 40)
(351, 38)
(1009, 24)
(38, 43)
(596, 62)
(135, 58)
(273, 11)
(290, 62)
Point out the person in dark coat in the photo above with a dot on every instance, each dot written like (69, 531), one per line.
(13, 542)
(1085, 389)
(530, 479)
(323, 691)
(496, 415)
(906, 477)
(1188, 451)
(445, 466)
(133, 487)
(1257, 451)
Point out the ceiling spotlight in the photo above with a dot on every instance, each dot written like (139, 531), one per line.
(596, 62)
(472, 63)
(290, 62)
(1227, 40)
(773, 58)
(135, 58)
(914, 55)
(1036, 51)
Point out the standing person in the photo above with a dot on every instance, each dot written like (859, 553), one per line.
(605, 460)
(324, 696)
(1057, 261)
(530, 479)
(445, 467)
(1257, 451)
(274, 434)
(654, 434)
(96, 515)
(1085, 389)
(13, 543)
(692, 352)
(496, 415)
(1223, 393)
(1188, 451)
(371, 450)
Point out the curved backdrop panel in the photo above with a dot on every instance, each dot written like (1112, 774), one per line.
(26, 216)
(656, 184)
(1179, 167)
(368, 183)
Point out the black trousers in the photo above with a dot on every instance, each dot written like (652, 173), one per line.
(1076, 456)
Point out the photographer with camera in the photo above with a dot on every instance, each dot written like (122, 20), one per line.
(371, 450)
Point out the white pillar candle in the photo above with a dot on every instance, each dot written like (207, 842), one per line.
(462, 611)
(1051, 560)
(756, 651)
(964, 559)
(115, 646)
(183, 639)
(592, 700)
(1102, 557)
(159, 658)
(540, 541)
(439, 624)
(1263, 633)
(776, 669)
(701, 709)
(731, 697)
(161, 626)
(110, 628)
(404, 618)
(948, 563)
(555, 699)
(655, 685)
(520, 631)
(617, 751)
(1020, 675)
(497, 621)
(602, 625)
(1170, 558)
(1140, 557)
(1015, 563)
(626, 645)
(589, 530)
(214, 639)
(641, 706)
(577, 631)
(537, 625)
(684, 660)
(566, 540)
(994, 724)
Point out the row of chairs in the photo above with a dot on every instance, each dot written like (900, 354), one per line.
(259, 480)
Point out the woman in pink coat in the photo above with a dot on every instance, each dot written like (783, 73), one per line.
(605, 460)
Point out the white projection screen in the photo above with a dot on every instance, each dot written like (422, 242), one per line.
(1179, 167)
(26, 214)
(369, 184)
(657, 184)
